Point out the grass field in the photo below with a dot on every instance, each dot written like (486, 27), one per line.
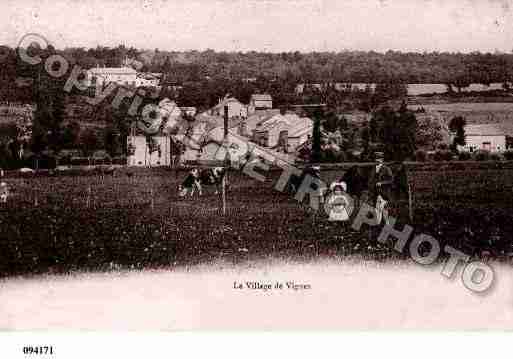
(48, 226)
(89, 223)
(476, 112)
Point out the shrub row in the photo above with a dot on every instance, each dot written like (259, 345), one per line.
(446, 155)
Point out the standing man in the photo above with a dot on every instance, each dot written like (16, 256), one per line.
(381, 180)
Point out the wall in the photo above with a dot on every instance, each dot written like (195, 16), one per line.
(142, 157)
(497, 143)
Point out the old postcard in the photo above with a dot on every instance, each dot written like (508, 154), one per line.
(255, 165)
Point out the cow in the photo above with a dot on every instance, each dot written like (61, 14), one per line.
(197, 178)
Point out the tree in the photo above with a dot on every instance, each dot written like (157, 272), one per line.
(457, 126)
(89, 143)
(316, 140)
(430, 132)
(112, 142)
(70, 135)
(397, 132)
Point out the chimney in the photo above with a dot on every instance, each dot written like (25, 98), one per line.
(225, 121)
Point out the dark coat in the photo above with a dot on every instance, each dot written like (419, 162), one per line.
(355, 180)
(385, 178)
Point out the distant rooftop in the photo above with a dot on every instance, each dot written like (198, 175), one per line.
(113, 70)
(484, 130)
(261, 97)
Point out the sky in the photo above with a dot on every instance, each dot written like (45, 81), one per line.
(265, 25)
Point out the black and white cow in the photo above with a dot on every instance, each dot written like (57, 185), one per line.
(205, 177)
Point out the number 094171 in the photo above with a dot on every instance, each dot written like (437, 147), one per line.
(38, 350)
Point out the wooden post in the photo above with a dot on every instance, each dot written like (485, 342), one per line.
(225, 142)
(223, 189)
(89, 196)
(151, 199)
(410, 202)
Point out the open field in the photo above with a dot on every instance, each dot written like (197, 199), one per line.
(122, 228)
(476, 113)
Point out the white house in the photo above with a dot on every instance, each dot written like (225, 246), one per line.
(139, 151)
(189, 110)
(488, 137)
(300, 133)
(235, 108)
(269, 131)
(289, 130)
(148, 79)
(121, 75)
(261, 101)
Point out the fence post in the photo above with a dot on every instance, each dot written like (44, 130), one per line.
(223, 189)
(88, 196)
(151, 199)
(410, 202)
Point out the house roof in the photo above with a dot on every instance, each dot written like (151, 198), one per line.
(217, 121)
(298, 132)
(226, 101)
(484, 130)
(270, 122)
(114, 70)
(149, 76)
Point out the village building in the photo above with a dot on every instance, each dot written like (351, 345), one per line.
(189, 110)
(235, 108)
(148, 79)
(487, 137)
(283, 132)
(299, 134)
(157, 151)
(141, 155)
(261, 102)
(125, 76)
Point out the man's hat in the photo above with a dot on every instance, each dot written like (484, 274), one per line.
(338, 185)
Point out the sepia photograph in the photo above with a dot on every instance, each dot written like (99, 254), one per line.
(229, 165)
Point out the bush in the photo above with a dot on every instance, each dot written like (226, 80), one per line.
(481, 155)
(421, 156)
(442, 155)
(508, 155)
(495, 157)
(464, 156)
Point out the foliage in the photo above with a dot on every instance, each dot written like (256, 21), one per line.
(396, 130)
(508, 155)
(457, 125)
(89, 142)
(316, 138)
(430, 132)
(442, 155)
(421, 156)
(482, 155)
(464, 156)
